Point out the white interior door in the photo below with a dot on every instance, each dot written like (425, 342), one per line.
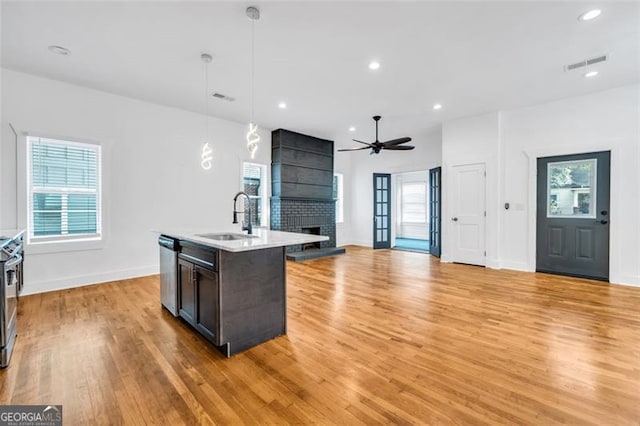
(468, 214)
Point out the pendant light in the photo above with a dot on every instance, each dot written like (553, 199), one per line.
(253, 138)
(207, 151)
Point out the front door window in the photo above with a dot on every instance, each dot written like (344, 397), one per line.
(572, 189)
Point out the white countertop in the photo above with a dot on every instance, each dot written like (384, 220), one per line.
(10, 233)
(262, 238)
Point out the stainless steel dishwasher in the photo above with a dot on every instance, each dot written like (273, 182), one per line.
(169, 273)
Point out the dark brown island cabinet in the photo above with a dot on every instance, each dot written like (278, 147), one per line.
(236, 300)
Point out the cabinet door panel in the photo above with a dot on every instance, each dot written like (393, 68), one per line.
(186, 291)
(208, 312)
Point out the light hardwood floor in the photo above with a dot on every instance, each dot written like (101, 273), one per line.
(374, 337)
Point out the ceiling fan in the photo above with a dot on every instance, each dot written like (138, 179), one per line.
(377, 146)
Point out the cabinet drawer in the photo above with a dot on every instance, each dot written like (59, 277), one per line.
(205, 257)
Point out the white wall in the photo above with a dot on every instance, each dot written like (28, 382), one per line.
(152, 177)
(153, 180)
(2, 138)
(510, 141)
(426, 155)
(342, 164)
(472, 140)
(598, 122)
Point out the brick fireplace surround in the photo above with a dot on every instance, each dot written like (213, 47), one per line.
(295, 215)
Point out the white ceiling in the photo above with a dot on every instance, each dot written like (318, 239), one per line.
(472, 57)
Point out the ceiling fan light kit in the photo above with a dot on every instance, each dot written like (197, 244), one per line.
(377, 146)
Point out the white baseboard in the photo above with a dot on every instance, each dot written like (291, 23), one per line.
(629, 280)
(367, 244)
(515, 266)
(83, 280)
(344, 244)
(493, 264)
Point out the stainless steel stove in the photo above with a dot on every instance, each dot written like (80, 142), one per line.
(11, 280)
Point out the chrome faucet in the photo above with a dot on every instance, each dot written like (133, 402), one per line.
(248, 228)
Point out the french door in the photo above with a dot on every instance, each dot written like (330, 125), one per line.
(381, 210)
(573, 215)
(435, 222)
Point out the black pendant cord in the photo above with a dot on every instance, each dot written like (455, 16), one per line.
(252, 67)
(206, 100)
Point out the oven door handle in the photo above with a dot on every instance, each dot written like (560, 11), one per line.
(13, 262)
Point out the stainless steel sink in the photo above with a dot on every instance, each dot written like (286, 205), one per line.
(226, 236)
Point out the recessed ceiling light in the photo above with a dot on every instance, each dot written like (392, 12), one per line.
(591, 74)
(59, 50)
(437, 106)
(374, 65)
(282, 105)
(592, 14)
(352, 129)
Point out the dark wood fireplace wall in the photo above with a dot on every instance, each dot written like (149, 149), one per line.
(302, 185)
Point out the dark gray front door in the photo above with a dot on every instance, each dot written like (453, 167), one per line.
(381, 210)
(573, 215)
(434, 211)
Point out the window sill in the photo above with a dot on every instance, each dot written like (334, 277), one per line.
(63, 246)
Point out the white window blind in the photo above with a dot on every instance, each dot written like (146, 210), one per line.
(255, 185)
(338, 190)
(64, 190)
(414, 202)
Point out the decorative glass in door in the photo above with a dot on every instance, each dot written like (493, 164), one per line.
(381, 210)
(571, 188)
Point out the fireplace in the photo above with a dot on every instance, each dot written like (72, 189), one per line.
(302, 191)
(313, 230)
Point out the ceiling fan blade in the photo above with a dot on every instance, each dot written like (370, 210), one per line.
(399, 148)
(394, 142)
(366, 143)
(354, 149)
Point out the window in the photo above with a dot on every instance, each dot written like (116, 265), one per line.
(254, 183)
(571, 185)
(64, 200)
(338, 188)
(414, 202)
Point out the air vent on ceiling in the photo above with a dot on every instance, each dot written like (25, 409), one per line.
(585, 63)
(225, 97)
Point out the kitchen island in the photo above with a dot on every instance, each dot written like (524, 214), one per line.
(231, 287)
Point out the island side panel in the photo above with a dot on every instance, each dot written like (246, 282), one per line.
(252, 297)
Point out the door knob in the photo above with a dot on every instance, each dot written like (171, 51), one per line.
(455, 219)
